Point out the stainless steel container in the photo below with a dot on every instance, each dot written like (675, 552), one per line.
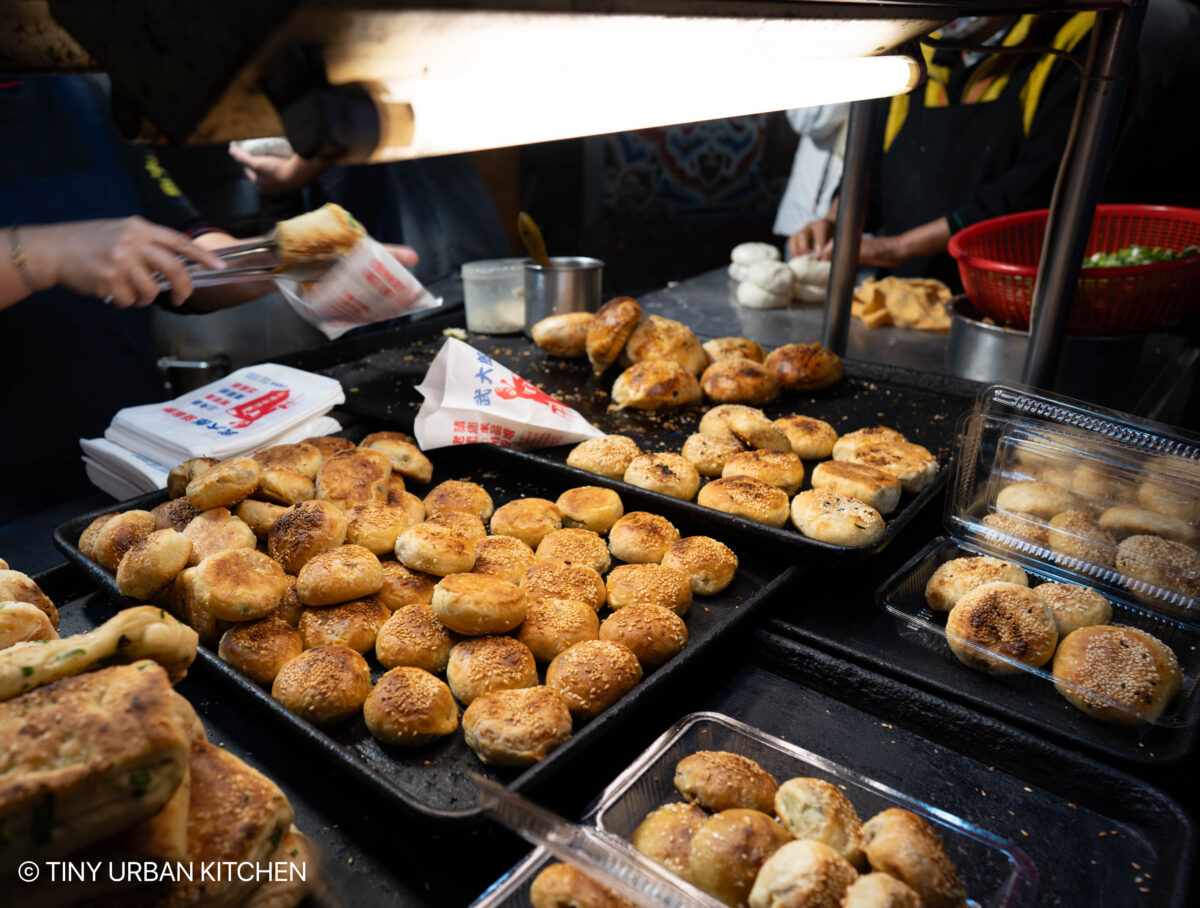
(570, 284)
(1088, 367)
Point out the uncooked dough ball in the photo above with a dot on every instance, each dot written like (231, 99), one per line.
(774, 277)
(753, 296)
(749, 253)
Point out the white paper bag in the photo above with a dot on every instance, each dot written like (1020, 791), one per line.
(367, 286)
(471, 398)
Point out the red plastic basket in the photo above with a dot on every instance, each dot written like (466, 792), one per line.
(998, 259)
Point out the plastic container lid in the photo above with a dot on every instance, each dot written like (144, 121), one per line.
(490, 269)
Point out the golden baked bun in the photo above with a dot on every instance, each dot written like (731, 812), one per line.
(655, 385)
(781, 469)
(581, 547)
(118, 534)
(290, 607)
(665, 836)
(729, 849)
(955, 578)
(153, 562)
(1041, 499)
(1174, 498)
(739, 381)
(212, 532)
(811, 439)
(1076, 534)
(329, 445)
(1150, 565)
(280, 485)
(304, 458)
(592, 508)
(652, 633)
(175, 514)
(715, 420)
(183, 473)
(666, 473)
(87, 539)
(304, 531)
(239, 585)
(409, 707)
(659, 338)
(1020, 527)
(405, 457)
(609, 455)
(719, 780)
(18, 587)
(649, 584)
(354, 624)
(1102, 488)
(516, 727)
(403, 586)
(1074, 606)
(548, 580)
(847, 444)
(734, 348)
(505, 557)
(481, 665)
(563, 335)
(836, 519)
(754, 430)
(914, 466)
(880, 890)
(566, 886)
(260, 649)
(609, 331)
(412, 506)
(804, 873)
(905, 846)
(358, 476)
(224, 485)
(709, 451)
(1127, 520)
(527, 519)
(414, 636)
(1117, 674)
(804, 367)
(461, 523)
(593, 675)
(22, 621)
(339, 575)
(553, 625)
(641, 537)
(743, 496)
(870, 485)
(397, 488)
(325, 685)
(456, 495)
(1004, 618)
(184, 604)
(260, 516)
(434, 549)
(814, 809)
(478, 604)
(708, 564)
(376, 527)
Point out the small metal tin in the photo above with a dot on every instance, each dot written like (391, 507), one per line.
(570, 284)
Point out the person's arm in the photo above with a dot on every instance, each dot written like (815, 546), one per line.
(816, 237)
(274, 175)
(889, 251)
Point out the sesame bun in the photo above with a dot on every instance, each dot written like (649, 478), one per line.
(719, 780)
(955, 578)
(836, 519)
(409, 707)
(580, 547)
(641, 537)
(325, 685)
(260, 649)
(223, 485)
(607, 456)
(456, 495)
(339, 575)
(709, 451)
(505, 557)
(483, 664)
(744, 496)
(516, 727)
(592, 675)
(403, 586)
(1004, 618)
(553, 625)
(666, 473)
(811, 439)
(546, 580)
(665, 836)
(652, 633)
(478, 604)
(527, 519)
(413, 636)
(1117, 674)
(435, 549)
(649, 584)
(354, 624)
(708, 564)
(304, 531)
(592, 508)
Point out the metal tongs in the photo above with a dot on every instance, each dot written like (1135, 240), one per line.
(267, 264)
(610, 860)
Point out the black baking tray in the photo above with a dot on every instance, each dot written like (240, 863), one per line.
(380, 381)
(432, 782)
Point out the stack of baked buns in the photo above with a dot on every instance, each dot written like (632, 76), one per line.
(752, 843)
(105, 761)
(455, 601)
(665, 366)
(997, 623)
(754, 467)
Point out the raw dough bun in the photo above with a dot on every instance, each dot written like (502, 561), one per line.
(749, 253)
(774, 277)
(753, 296)
(809, 270)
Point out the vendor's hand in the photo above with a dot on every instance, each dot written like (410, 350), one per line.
(114, 259)
(274, 175)
(880, 252)
(815, 238)
(405, 255)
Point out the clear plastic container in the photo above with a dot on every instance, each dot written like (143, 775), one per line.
(1082, 495)
(996, 873)
(494, 295)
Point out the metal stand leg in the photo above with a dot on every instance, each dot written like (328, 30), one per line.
(1113, 43)
(861, 139)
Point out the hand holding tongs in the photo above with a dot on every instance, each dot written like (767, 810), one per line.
(612, 861)
(255, 260)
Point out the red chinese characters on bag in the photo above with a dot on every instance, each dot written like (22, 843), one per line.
(253, 410)
(527, 391)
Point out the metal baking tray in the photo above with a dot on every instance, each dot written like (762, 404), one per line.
(380, 384)
(431, 782)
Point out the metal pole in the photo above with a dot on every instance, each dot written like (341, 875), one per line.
(1113, 43)
(861, 140)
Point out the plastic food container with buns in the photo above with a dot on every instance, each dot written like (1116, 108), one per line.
(1071, 494)
(995, 872)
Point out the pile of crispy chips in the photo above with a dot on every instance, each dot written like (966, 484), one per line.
(919, 303)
